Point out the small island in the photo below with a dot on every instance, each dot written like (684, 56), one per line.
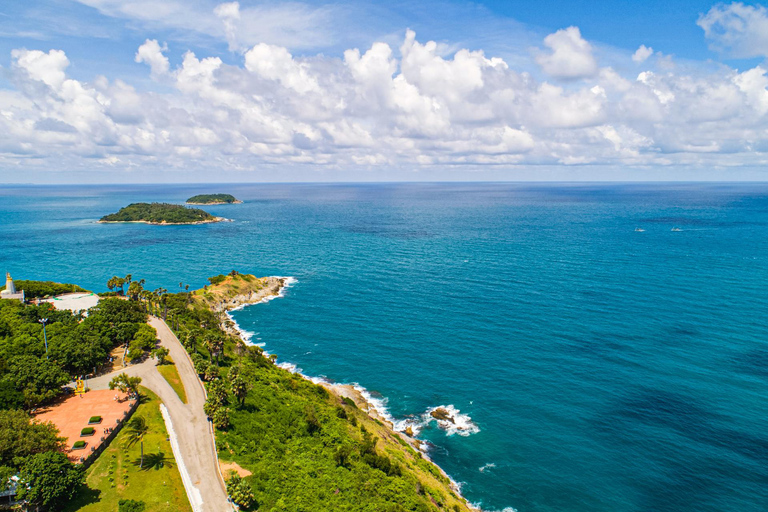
(161, 213)
(213, 199)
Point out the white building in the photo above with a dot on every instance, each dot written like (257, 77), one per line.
(10, 290)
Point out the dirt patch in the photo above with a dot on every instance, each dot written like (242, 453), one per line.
(226, 467)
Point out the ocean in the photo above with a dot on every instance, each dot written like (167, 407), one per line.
(592, 367)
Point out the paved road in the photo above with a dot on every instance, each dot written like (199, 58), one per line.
(189, 421)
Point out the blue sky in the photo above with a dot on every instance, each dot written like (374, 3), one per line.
(201, 90)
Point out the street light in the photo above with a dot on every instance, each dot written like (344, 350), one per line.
(45, 337)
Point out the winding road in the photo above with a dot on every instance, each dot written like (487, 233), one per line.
(193, 430)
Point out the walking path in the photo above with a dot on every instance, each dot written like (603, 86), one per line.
(190, 424)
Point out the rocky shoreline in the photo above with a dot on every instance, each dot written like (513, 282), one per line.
(273, 289)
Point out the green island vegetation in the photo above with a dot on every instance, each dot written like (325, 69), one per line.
(40, 289)
(307, 449)
(120, 481)
(213, 199)
(171, 374)
(160, 213)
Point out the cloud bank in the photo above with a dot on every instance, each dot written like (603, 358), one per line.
(411, 106)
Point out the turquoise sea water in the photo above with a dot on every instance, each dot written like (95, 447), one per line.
(598, 368)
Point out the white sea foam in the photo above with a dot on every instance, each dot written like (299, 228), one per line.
(290, 367)
(486, 467)
(379, 404)
(457, 423)
(247, 336)
(462, 423)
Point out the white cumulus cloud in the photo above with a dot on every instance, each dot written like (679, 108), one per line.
(642, 54)
(151, 53)
(737, 29)
(376, 107)
(570, 55)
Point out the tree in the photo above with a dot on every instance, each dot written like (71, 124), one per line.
(116, 282)
(125, 383)
(134, 290)
(161, 353)
(215, 344)
(37, 378)
(135, 431)
(48, 478)
(239, 388)
(211, 373)
(217, 391)
(10, 397)
(240, 491)
(21, 437)
(221, 418)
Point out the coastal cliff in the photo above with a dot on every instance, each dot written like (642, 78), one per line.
(305, 444)
(227, 292)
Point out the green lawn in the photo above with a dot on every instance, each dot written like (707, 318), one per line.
(171, 374)
(116, 475)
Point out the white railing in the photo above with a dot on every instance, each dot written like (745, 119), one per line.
(193, 493)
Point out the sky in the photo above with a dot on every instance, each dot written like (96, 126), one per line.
(142, 91)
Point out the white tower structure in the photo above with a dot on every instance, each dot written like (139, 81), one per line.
(10, 289)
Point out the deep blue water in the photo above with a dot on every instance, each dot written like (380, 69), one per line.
(606, 369)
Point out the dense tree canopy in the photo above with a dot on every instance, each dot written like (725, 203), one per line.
(29, 376)
(212, 199)
(21, 437)
(49, 478)
(159, 213)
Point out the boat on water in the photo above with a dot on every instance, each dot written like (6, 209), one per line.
(639, 230)
(676, 229)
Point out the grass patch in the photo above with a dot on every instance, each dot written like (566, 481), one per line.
(171, 374)
(116, 475)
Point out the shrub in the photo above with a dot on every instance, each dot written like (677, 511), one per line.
(87, 431)
(240, 491)
(78, 445)
(217, 279)
(94, 419)
(130, 506)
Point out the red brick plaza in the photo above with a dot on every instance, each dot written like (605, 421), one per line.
(72, 414)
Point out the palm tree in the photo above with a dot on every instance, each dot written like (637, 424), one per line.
(136, 430)
(215, 345)
(239, 388)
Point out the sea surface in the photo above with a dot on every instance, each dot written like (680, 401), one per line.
(594, 368)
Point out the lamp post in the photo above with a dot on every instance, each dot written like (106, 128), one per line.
(45, 337)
